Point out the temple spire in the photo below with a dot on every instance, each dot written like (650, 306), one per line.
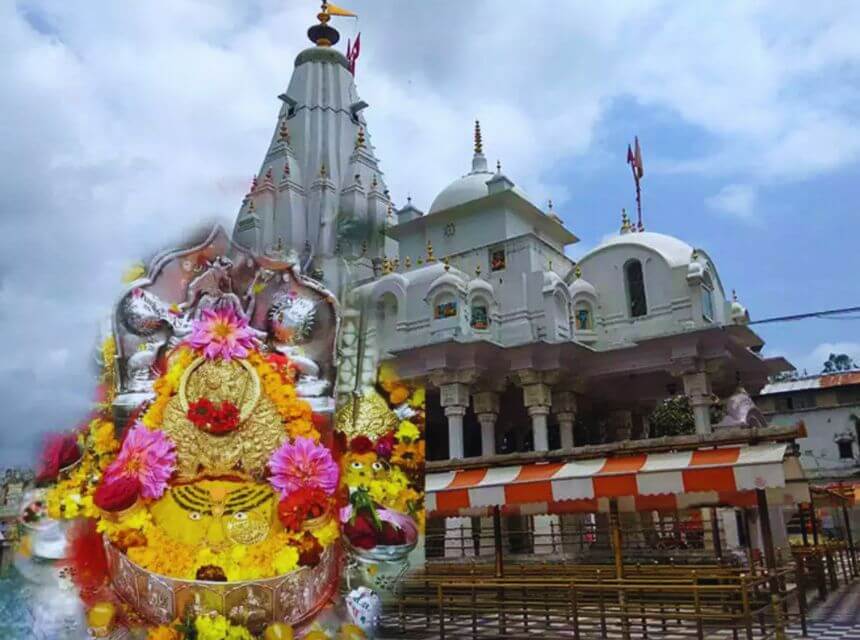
(479, 161)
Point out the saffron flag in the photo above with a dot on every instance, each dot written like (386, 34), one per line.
(335, 10)
(640, 169)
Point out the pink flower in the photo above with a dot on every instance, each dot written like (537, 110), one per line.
(303, 463)
(222, 334)
(146, 455)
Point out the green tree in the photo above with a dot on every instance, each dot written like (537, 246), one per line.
(672, 417)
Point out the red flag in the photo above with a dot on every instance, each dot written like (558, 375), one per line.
(353, 54)
(631, 159)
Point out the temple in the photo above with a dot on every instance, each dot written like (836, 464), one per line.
(562, 395)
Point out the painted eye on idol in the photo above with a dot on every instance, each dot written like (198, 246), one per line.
(357, 465)
(194, 515)
(378, 466)
(240, 515)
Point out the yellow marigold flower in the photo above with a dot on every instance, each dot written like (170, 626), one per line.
(286, 560)
(303, 428)
(104, 440)
(419, 398)
(407, 431)
(327, 534)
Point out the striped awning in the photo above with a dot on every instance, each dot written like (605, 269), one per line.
(655, 481)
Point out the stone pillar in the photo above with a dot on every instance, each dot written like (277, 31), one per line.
(564, 408)
(537, 398)
(454, 399)
(697, 387)
(455, 414)
(486, 406)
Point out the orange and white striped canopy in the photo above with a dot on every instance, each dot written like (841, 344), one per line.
(642, 482)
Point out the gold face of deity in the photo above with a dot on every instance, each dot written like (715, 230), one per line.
(217, 513)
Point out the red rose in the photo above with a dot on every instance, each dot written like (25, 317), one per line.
(217, 420)
(361, 532)
(118, 494)
(391, 534)
(361, 444)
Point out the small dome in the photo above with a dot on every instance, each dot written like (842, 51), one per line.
(740, 315)
(550, 279)
(676, 252)
(479, 284)
(581, 286)
(452, 278)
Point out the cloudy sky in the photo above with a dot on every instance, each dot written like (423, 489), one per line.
(125, 123)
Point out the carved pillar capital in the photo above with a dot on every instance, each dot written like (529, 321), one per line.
(563, 402)
(454, 394)
(485, 402)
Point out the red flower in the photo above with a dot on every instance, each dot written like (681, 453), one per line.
(60, 451)
(201, 412)
(217, 420)
(302, 504)
(361, 444)
(385, 445)
(118, 494)
(361, 532)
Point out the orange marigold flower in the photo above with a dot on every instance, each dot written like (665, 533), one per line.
(408, 455)
(399, 394)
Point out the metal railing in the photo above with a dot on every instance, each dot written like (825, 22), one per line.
(593, 603)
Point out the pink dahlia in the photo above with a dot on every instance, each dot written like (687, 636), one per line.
(301, 464)
(222, 333)
(146, 455)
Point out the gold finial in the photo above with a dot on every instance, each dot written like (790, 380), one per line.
(386, 265)
(430, 257)
(359, 140)
(284, 132)
(323, 171)
(408, 262)
(577, 272)
(625, 221)
(735, 295)
(323, 15)
(396, 264)
(447, 263)
(251, 206)
(479, 147)
(477, 271)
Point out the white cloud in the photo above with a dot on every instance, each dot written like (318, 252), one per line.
(736, 200)
(124, 124)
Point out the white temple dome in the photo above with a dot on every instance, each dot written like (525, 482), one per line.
(470, 187)
(676, 252)
(581, 286)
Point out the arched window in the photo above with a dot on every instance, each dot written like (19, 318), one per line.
(637, 303)
(708, 299)
(583, 317)
(480, 315)
(445, 307)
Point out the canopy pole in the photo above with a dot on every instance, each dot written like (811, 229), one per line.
(814, 519)
(801, 512)
(849, 536)
(715, 532)
(497, 539)
(766, 533)
(745, 523)
(615, 527)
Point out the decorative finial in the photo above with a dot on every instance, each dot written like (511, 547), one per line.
(577, 272)
(359, 140)
(625, 222)
(374, 183)
(386, 265)
(396, 264)
(735, 295)
(252, 206)
(390, 211)
(549, 205)
(284, 132)
(447, 263)
(323, 171)
(253, 184)
(286, 168)
(430, 257)
(408, 262)
(322, 34)
(549, 264)
(479, 147)
(268, 178)
(498, 166)
(477, 271)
